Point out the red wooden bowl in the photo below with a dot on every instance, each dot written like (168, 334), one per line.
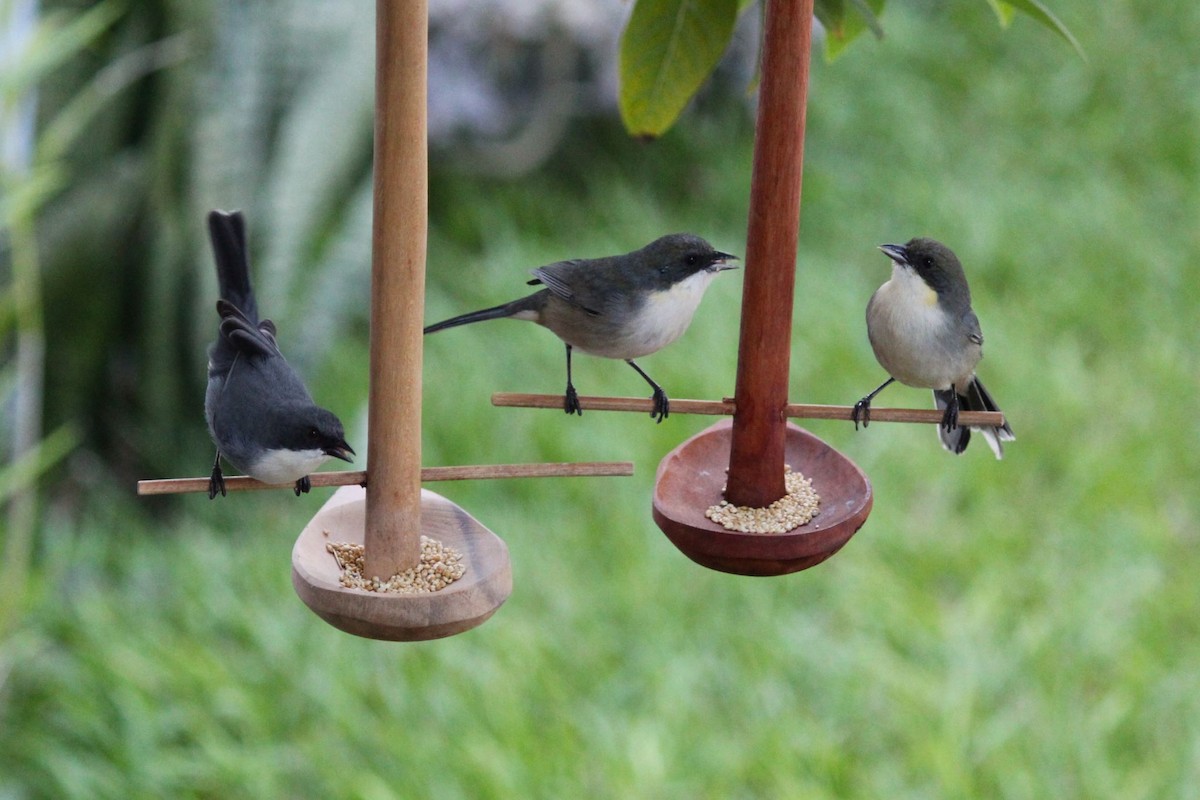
(690, 480)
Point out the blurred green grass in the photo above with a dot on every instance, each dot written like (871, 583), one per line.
(1018, 629)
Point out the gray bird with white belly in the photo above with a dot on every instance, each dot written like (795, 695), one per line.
(624, 306)
(925, 334)
(259, 412)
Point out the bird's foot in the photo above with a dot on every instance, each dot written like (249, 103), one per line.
(862, 412)
(216, 482)
(571, 401)
(304, 485)
(950, 416)
(662, 406)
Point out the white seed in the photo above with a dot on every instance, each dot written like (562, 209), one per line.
(439, 566)
(796, 508)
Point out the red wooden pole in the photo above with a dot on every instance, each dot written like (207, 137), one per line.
(759, 425)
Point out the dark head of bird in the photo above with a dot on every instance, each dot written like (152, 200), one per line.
(677, 256)
(311, 428)
(935, 263)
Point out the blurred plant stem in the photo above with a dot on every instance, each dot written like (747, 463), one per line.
(24, 294)
(29, 454)
(32, 170)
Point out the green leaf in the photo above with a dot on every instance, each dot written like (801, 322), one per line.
(844, 20)
(668, 50)
(1005, 10)
(870, 15)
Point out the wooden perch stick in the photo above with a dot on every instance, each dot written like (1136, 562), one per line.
(518, 400)
(985, 419)
(239, 483)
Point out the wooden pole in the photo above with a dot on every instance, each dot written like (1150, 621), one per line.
(398, 241)
(757, 443)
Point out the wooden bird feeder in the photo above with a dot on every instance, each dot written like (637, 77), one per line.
(391, 514)
(385, 509)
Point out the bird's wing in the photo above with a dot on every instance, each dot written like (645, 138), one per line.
(244, 335)
(971, 324)
(268, 328)
(557, 277)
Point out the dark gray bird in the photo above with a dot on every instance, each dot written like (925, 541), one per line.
(259, 412)
(624, 306)
(925, 334)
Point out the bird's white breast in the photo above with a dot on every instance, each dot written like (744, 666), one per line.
(914, 338)
(665, 316)
(286, 466)
(911, 305)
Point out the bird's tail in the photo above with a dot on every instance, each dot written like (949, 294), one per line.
(975, 398)
(227, 231)
(524, 308)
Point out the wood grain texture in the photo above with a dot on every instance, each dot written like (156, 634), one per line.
(398, 242)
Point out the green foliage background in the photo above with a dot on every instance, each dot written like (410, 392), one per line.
(1019, 629)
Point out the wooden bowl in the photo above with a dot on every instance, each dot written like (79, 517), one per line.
(690, 480)
(462, 605)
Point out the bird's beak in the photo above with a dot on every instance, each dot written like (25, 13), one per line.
(721, 262)
(341, 450)
(896, 252)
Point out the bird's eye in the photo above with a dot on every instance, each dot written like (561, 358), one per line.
(692, 260)
(314, 434)
(927, 262)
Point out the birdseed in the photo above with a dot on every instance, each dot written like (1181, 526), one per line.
(796, 508)
(439, 567)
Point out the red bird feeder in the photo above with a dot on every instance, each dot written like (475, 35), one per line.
(760, 441)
